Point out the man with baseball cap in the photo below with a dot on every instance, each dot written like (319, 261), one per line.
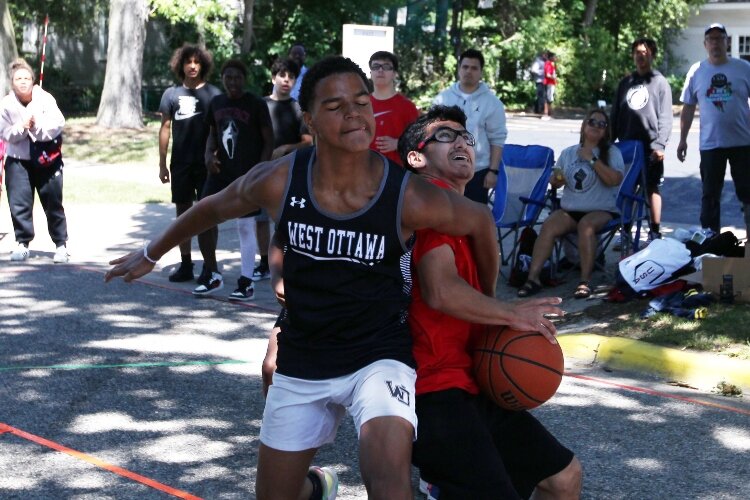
(720, 85)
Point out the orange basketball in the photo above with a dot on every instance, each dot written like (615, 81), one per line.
(518, 370)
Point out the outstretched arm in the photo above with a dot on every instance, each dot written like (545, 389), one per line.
(444, 290)
(262, 186)
(427, 206)
(686, 121)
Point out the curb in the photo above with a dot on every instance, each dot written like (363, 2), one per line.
(700, 370)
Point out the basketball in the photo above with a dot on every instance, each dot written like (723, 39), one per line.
(518, 370)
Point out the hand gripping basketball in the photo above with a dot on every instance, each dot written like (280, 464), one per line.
(517, 370)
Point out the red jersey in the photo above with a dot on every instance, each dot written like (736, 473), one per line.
(441, 342)
(550, 73)
(392, 116)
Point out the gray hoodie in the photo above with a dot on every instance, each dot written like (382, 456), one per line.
(642, 110)
(485, 118)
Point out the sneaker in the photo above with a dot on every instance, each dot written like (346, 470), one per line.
(20, 253)
(183, 273)
(214, 283)
(432, 491)
(204, 276)
(61, 255)
(261, 272)
(328, 480)
(244, 291)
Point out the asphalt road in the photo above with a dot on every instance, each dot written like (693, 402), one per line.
(152, 380)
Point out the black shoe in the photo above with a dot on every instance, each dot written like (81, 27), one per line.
(261, 272)
(204, 276)
(183, 273)
(215, 282)
(245, 290)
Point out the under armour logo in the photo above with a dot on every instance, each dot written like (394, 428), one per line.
(297, 203)
(399, 392)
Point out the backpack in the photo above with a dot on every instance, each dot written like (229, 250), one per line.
(661, 261)
(725, 244)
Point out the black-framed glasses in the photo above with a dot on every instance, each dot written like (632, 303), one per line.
(593, 122)
(378, 67)
(448, 135)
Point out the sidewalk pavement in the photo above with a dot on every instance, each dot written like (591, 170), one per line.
(99, 233)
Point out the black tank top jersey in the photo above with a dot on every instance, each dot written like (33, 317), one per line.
(347, 280)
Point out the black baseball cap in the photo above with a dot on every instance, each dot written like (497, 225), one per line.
(715, 26)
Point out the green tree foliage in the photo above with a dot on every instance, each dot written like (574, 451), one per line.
(591, 59)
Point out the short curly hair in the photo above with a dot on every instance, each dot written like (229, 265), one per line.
(324, 68)
(184, 53)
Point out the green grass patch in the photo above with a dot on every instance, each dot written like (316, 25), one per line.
(91, 191)
(86, 141)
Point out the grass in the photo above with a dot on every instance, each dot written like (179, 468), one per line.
(86, 141)
(126, 163)
(722, 331)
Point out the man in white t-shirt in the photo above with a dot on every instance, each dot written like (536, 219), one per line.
(720, 85)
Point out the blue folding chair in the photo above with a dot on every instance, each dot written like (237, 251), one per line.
(520, 193)
(631, 205)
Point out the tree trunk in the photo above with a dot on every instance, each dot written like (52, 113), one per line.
(8, 49)
(588, 16)
(247, 27)
(120, 106)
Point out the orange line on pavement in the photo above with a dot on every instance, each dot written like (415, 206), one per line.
(659, 393)
(99, 463)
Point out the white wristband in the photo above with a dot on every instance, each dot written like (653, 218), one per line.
(145, 254)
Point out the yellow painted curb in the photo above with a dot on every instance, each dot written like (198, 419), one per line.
(696, 369)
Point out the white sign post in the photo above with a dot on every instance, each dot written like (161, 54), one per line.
(360, 42)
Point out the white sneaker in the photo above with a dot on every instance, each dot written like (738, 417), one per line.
(328, 479)
(20, 253)
(61, 255)
(214, 283)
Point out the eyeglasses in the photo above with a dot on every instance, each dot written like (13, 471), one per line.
(448, 135)
(593, 122)
(378, 67)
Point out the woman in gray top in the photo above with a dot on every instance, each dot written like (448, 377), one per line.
(591, 173)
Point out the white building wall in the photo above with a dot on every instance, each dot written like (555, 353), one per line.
(689, 49)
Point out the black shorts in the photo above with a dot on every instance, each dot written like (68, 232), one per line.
(577, 215)
(187, 181)
(215, 184)
(471, 448)
(654, 174)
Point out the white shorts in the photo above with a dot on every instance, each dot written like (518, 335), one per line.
(301, 414)
(550, 93)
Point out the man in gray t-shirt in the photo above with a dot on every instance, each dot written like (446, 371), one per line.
(720, 85)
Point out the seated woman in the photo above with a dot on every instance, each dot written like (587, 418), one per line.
(591, 173)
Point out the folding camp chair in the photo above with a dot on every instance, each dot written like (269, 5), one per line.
(631, 204)
(520, 192)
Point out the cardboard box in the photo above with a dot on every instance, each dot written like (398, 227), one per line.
(714, 270)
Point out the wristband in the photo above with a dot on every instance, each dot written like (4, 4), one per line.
(493, 171)
(145, 254)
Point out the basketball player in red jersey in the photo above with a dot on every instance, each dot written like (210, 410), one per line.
(468, 447)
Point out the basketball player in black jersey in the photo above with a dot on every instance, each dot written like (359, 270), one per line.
(348, 218)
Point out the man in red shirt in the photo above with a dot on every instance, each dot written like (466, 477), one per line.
(466, 445)
(393, 112)
(550, 82)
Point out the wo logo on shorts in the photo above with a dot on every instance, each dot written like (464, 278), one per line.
(399, 392)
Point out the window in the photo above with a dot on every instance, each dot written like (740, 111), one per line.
(744, 47)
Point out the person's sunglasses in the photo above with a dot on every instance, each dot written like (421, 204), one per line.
(378, 67)
(448, 135)
(593, 122)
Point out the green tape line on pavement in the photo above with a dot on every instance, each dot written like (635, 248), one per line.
(124, 365)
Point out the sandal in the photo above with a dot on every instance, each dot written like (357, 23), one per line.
(529, 288)
(583, 290)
